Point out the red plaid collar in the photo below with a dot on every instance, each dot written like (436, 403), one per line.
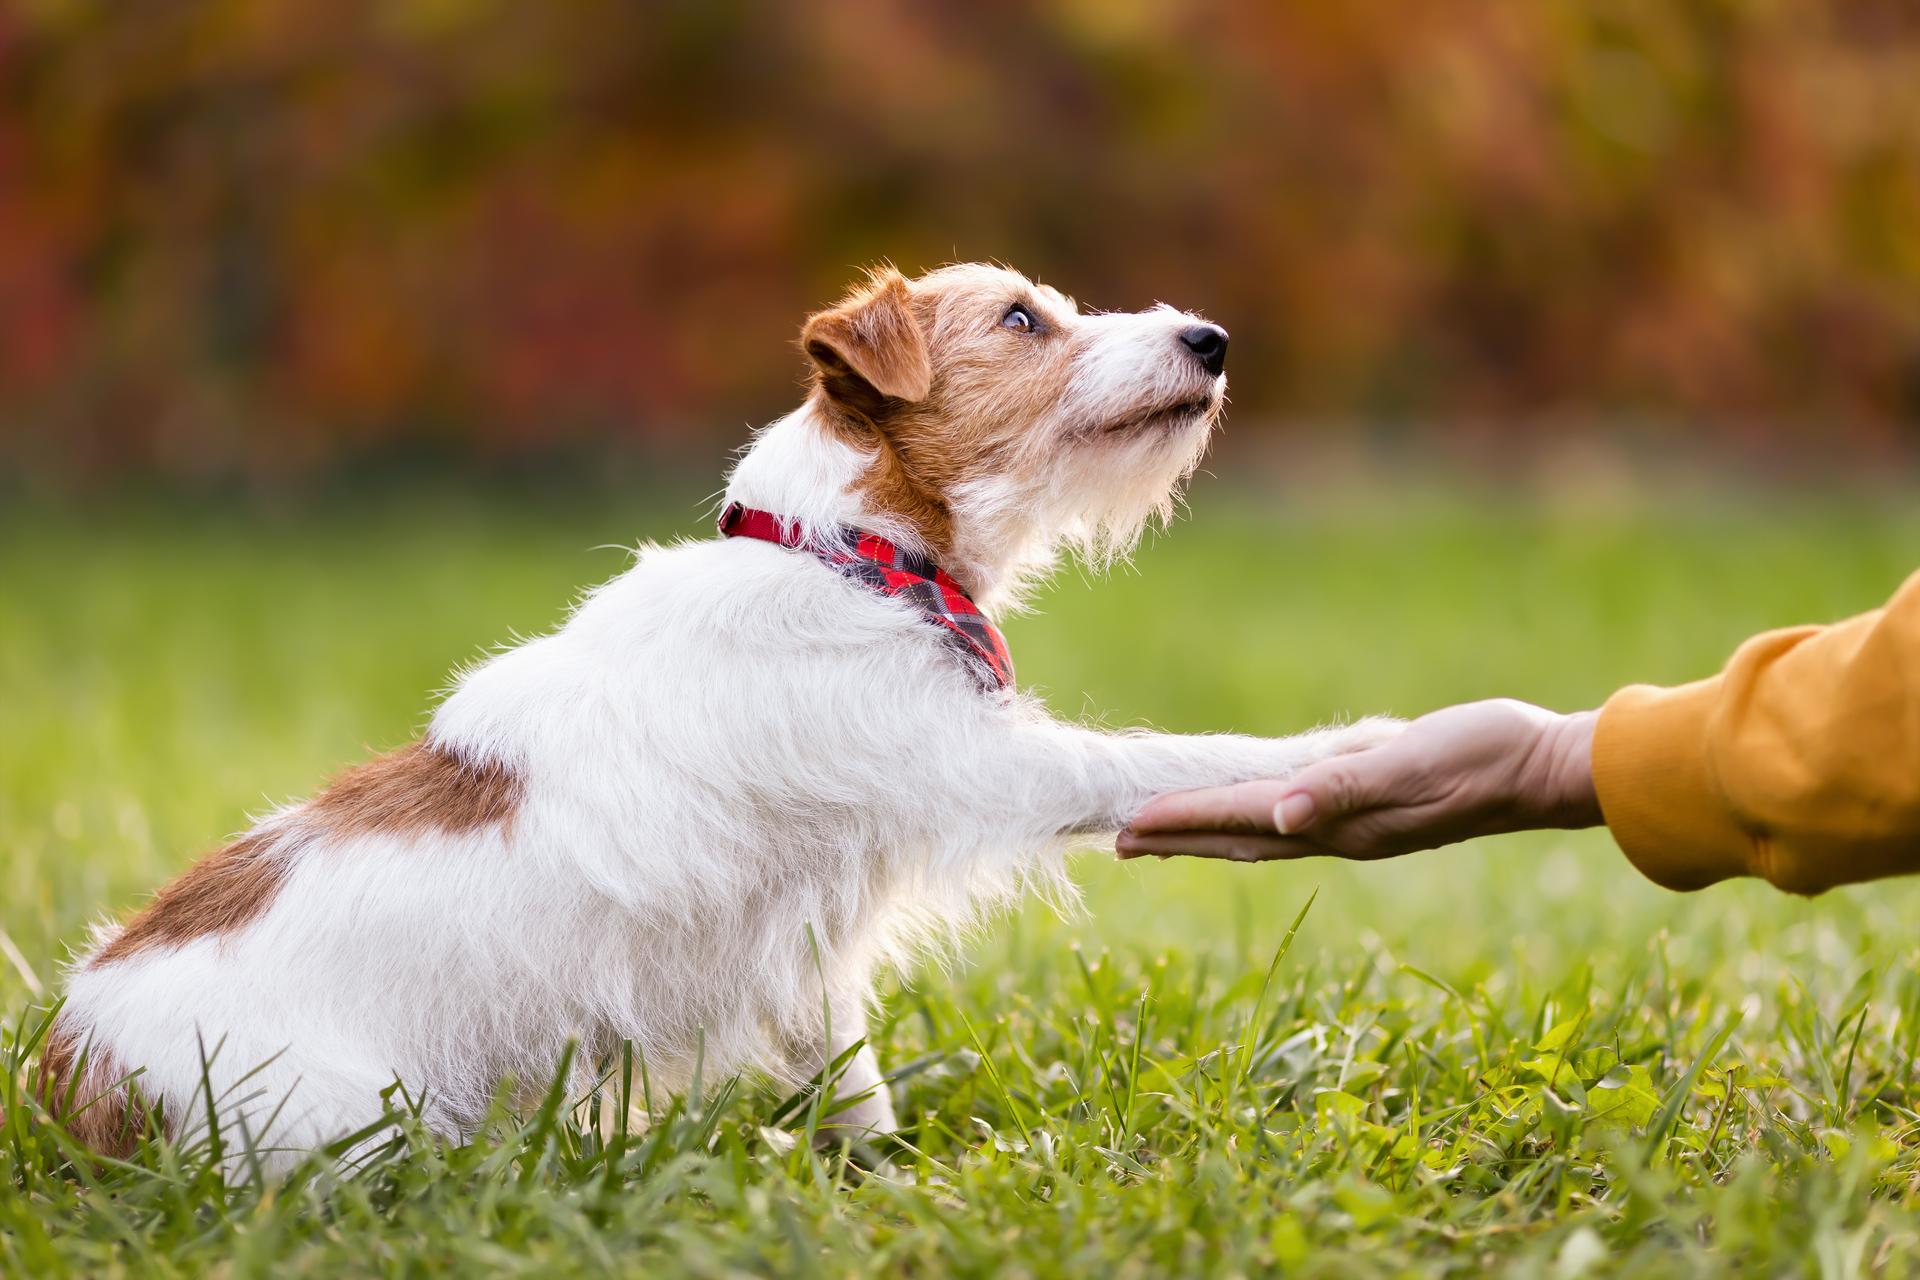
(892, 571)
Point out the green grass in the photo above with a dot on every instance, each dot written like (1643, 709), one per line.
(1512, 1057)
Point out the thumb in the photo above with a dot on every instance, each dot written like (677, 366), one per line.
(1328, 790)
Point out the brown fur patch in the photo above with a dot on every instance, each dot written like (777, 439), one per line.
(102, 1110)
(419, 787)
(904, 484)
(219, 893)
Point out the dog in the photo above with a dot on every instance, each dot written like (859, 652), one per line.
(745, 775)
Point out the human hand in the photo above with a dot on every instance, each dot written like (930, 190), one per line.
(1472, 770)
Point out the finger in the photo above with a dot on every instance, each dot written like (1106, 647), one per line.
(1214, 844)
(1247, 806)
(1337, 788)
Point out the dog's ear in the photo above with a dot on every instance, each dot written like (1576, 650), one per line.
(867, 349)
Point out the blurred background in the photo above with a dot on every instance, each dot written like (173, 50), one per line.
(271, 242)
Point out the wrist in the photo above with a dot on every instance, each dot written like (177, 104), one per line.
(1566, 785)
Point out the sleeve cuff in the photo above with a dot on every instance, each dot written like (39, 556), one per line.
(1657, 790)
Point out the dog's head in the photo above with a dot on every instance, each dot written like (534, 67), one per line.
(1001, 420)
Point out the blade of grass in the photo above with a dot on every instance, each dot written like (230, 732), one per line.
(1257, 1019)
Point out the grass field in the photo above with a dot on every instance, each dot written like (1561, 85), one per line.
(1514, 1057)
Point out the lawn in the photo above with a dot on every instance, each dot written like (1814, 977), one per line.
(1513, 1057)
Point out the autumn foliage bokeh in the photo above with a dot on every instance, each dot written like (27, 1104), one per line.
(264, 237)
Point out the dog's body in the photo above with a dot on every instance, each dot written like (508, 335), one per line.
(699, 815)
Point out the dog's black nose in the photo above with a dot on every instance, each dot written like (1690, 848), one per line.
(1209, 343)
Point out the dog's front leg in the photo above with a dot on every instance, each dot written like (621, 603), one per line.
(1092, 782)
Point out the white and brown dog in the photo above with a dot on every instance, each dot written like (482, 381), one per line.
(745, 774)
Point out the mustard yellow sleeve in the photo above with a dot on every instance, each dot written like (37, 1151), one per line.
(1800, 762)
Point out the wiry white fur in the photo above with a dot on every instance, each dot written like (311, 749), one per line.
(731, 756)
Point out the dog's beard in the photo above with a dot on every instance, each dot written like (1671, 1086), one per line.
(1091, 496)
(1114, 489)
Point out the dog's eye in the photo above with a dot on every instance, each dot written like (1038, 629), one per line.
(1019, 319)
